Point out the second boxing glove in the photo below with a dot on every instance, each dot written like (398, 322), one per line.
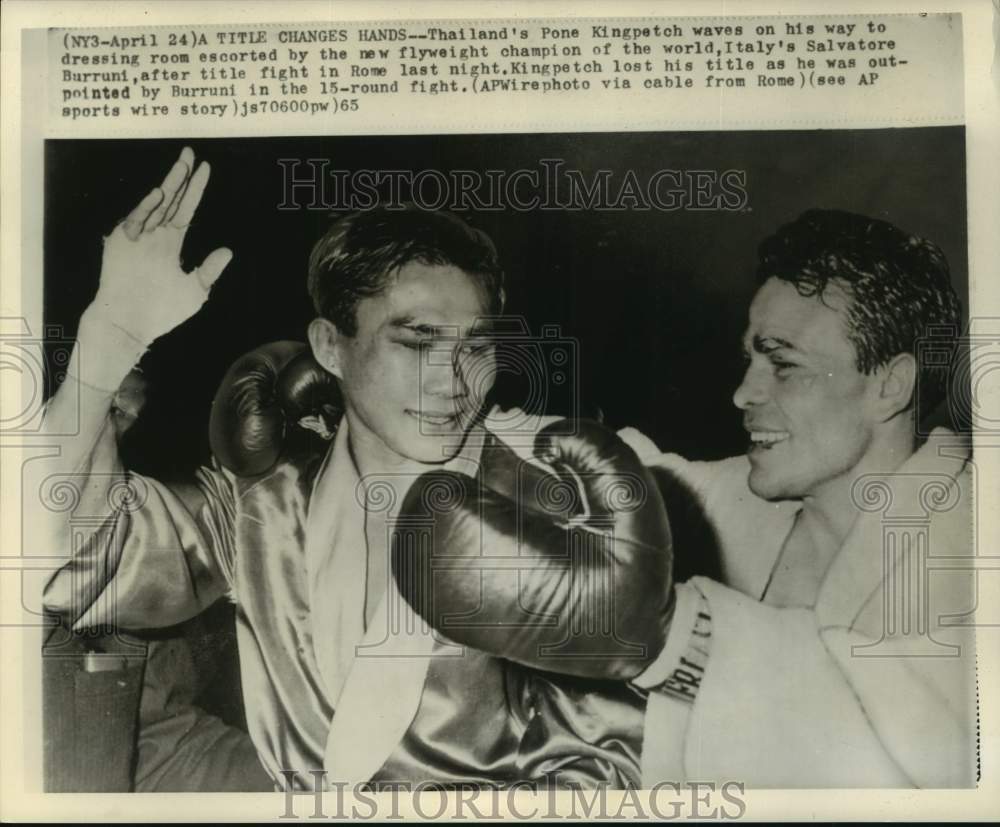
(265, 403)
(589, 596)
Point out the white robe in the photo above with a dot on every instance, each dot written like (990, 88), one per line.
(832, 696)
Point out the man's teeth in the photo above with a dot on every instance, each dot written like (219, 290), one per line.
(768, 437)
(436, 419)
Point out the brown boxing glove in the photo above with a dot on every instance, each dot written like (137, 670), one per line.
(271, 399)
(588, 595)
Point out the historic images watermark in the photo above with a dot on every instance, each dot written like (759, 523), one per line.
(548, 798)
(919, 560)
(314, 184)
(589, 627)
(39, 363)
(904, 503)
(540, 372)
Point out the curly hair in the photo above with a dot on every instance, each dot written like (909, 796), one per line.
(361, 252)
(899, 285)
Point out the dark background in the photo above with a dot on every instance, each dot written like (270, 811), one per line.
(656, 300)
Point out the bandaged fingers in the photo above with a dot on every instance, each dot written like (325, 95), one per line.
(173, 203)
(173, 187)
(144, 288)
(134, 222)
(211, 268)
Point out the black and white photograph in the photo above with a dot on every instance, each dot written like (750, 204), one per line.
(442, 412)
(499, 459)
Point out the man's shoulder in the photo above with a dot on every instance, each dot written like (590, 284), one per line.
(706, 478)
(294, 475)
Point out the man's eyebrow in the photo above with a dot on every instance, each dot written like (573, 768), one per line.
(410, 324)
(768, 344)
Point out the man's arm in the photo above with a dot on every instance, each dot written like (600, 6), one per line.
(796, 697)
(142, 554)
(782, 703)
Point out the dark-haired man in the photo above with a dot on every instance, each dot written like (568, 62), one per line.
(342, 684)
(825, 658)
(843, 648)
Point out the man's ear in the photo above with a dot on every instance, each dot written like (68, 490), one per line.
(899, 381)
(324, 339)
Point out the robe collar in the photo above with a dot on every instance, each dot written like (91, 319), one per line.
(909, 496)
(374, 678)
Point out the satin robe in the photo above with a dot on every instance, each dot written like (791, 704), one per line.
(391, 703)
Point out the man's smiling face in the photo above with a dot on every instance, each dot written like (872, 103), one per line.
(413, 376)
(806, 405)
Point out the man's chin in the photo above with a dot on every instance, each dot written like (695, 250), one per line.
(436, 449)
(767, 486)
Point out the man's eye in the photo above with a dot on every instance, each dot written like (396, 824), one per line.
(478, 348)
(783, 367)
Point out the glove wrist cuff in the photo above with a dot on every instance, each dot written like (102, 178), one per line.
(680, 667)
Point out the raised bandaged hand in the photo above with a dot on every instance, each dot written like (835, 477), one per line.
(143, 289)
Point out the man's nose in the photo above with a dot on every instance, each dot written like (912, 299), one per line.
(753, 389)
(443, 373)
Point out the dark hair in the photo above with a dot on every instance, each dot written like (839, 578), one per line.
(899, 285)
(361, 251)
